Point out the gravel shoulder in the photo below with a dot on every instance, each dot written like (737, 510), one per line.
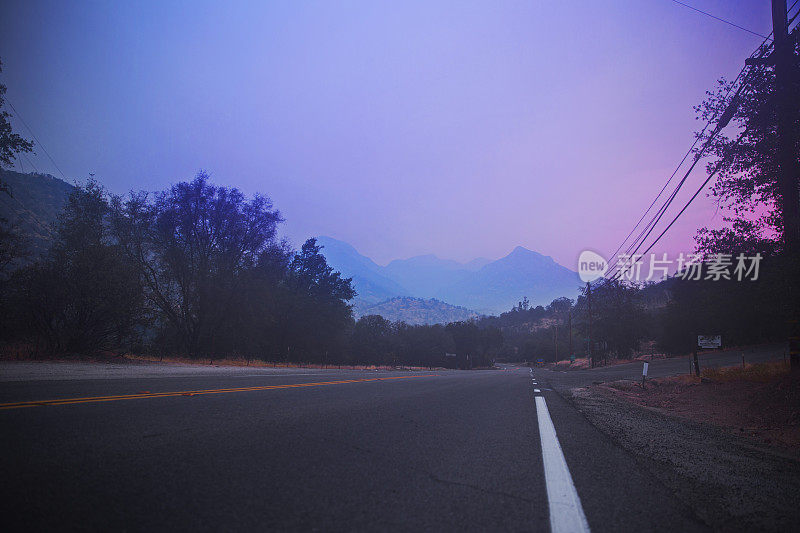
(729, 482)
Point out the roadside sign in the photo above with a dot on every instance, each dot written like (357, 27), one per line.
(644, 370)
(449, 354)
(709, 341)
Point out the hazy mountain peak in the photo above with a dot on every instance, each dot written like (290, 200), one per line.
(520, 253)
(483, 285)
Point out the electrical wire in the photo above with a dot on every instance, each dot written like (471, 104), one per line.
(761, 51)
(721, 19)
(647, 230)
(16, 113)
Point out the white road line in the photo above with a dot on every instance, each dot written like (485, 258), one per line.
(566, 513)
(536, 390)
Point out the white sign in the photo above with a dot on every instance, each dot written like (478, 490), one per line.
(709, 341)
(644, 370)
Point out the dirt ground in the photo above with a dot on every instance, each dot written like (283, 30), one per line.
(760, 401)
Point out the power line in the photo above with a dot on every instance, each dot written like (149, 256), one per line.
(761, 51)
(711, 175)
(30, 163)
(16, 113)
(697, 192)
(647, 230)
(659, 193)
(721, 19)
(691, 148)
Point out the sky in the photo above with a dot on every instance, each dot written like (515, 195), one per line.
(461, 129)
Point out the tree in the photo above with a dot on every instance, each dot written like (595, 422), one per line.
(372, 340)
(318, 312)
(618, 319)
(194, 246)
(12, 247)
(746, 165)
(10, 143)
(84, 296)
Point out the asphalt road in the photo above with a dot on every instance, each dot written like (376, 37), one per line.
(311, 450)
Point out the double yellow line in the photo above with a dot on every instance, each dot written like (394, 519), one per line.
(91, 399)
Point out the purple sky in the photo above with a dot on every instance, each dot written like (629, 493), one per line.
(455, 128)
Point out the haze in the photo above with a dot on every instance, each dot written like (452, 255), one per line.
(460, 129)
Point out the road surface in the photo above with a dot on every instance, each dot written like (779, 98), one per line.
(145, 448)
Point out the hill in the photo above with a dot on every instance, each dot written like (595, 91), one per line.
(34, 205)
(417, 311)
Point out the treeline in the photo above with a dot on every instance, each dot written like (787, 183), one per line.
(195, 271)
(463, 345)
(621, 320)
(198, 271)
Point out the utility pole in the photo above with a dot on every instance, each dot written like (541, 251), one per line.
(555, 340)
(569, 321)
(589, 338)
(785, 76)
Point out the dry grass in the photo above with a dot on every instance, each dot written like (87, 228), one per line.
(238, 362)
(566, 364)
(757, 373)
(759, 401)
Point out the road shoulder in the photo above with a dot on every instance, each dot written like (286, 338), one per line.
(728, 482)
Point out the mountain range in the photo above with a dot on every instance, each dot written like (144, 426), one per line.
(481, 285)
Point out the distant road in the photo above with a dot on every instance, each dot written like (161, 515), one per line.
(151, 447)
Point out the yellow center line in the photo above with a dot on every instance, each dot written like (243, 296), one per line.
(67, 401)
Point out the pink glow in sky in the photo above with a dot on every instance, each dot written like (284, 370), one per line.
(455, 128)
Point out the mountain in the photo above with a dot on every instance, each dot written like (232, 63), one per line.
(499, 285)
(476, 264)
(423, 275)
(34, 205)
(489, 287)
(372, 285)
(418, 311)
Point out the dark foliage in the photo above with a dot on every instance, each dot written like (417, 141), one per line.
(457, 345)
(10, 143)
(84, 296)
(746, 187)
